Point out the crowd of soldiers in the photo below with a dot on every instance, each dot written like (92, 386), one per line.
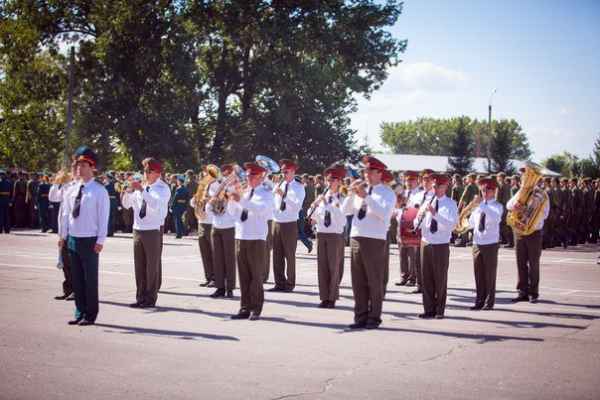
(574, 204)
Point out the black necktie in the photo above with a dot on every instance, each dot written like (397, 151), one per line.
(282, 205)
(244, 215)
(482, 222)
(144, 205)
(327, 220)
(433, 227)
(77, 206)
(363, 208)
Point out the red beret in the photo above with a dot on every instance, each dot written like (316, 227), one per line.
(333, 173)
(253, 168)
(285, 163)
(151, 163)
(340, 168)
(372, 162)
(387, 176)
(411, 175)
(488, 183)
(439, 179)
(426, 173)
(227, 168)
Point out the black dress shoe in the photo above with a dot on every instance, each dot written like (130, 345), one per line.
(75, 321)
(71, 297)
(275, 289)
(211, 284)
(229, 294)
(477, 307)
(411, 284)
(61, 297)
(204, 284)
(508, 246)
(254, 317)
(401, 283)
(218, 293)
(533, 300)
(323, 304)
(331, 304)
(521, 297)
(357, 325)
(426, 315)
(372, 325)
(137, 304)
(86, 322)
(418, 290)
(240, 316)
(147, 305)
(439, 316)
(288, 289)
(487, 308)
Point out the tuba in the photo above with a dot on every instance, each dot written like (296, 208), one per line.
(221, 194)
(463, 217)
(214, 173)
(272, 168)
(533, 201)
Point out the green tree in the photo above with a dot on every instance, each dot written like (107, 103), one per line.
(462, 148)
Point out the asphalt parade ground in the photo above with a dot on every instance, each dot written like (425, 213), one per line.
(187, 347)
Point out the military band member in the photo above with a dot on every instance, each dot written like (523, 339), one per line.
(528, 250)
(330, 222)
(408, 254)
(223, 242)
(438, 218)
(467, 197)
(83, 226)
(205, 229)
(250, 212)
(149, 202)
(485, 222)
(179, 205)
(386, 179)
(288, 197)
(58, 193)
(423, 197)
(6, 196)
(371, 209)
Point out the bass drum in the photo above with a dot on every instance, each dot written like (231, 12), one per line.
(406, 227)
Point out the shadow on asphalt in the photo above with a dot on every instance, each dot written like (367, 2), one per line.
(162, 309)
(130, 330)
(479, 338)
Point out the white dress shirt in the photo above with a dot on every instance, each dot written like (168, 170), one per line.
(446, 217)
(157, 203)
(293, 202)
(380, 206)
(259, 207)
(493, 215)
(225, 220)
(511, 206)
(338, 218)
(94, 209)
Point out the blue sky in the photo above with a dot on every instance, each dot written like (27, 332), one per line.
(543, 57)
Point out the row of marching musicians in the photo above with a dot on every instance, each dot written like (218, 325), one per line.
(248, 200)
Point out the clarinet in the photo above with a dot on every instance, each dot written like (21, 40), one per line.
(414, 231)
(314, 206)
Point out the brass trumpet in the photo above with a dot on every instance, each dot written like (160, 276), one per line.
(353, 188)
(214, 173)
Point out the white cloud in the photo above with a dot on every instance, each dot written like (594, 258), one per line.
(550, 141)
(427, 77)
(563, 111)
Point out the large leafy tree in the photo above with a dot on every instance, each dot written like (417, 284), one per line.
(191, 81)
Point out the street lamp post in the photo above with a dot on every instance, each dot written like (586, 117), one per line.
(489, 144)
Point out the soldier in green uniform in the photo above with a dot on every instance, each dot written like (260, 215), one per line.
(18, 201)
(189, 219)
(6, 195)
(577, 211)
(113, 196)
(42, 202)
(596, 213)
(469, 193)
(179, 205)
(588, 208)
(559, 210)
(502, 197)
(567, 211)
(549, 228)
(309, 189)
(319, 185)
(32, 188)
